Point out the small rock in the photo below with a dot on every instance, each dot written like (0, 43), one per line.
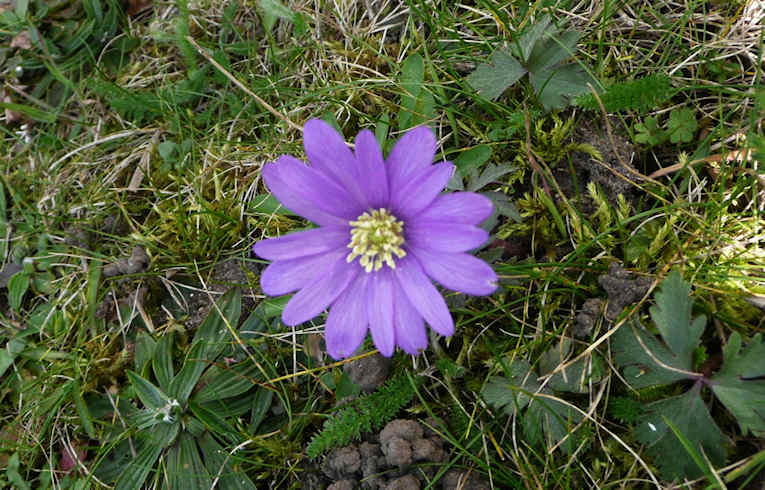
(368, 373)
(406, 482)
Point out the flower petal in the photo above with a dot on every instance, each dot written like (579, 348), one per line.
(458, 271)
(408, 324)
(412, 153)
(458, 207)
(415, 195)
(372, 173)
(347, 321)
(310, 193)
(286, 276)
(327, 152)
(443, 237)
(423, 296)
(380, 308)
(303, 243)
(320, 293)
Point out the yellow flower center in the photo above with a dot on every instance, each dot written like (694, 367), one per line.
(376, 236)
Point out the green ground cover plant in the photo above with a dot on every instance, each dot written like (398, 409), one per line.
(620, 144)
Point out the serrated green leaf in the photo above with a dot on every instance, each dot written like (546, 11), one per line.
(574, 378)
(690, 416)
(556, 86)
(491, 173)
(740, 383)
(138, 470)
(635, 349)
(551, 51)
(535, 33)
(648, 362)
(472, 158)
(672, 316)
(681, 125)
(513, 394)
(491, 79)
(151, 396)
(17, 288)
(162, 361)
(219, 383)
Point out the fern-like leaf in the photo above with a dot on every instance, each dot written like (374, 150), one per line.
(639, 95)
(365, 414)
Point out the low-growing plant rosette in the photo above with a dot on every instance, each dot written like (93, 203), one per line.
(385, 232)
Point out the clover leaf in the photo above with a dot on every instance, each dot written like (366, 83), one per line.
(740, 384)
(649, 132)
(688, 414)
(540, 52)
(681, 125)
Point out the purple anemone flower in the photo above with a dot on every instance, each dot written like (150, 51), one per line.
(384, 232)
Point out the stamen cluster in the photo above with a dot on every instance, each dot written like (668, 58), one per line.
(376, 237)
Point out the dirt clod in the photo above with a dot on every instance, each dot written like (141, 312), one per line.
(586, 319)
(622, 289)
(137, 262)
(406, 482)
(343, 485)
(342, 462)
(399, 457)
(459, 480)
(369, 372)
(7, 272)
(408, 430)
